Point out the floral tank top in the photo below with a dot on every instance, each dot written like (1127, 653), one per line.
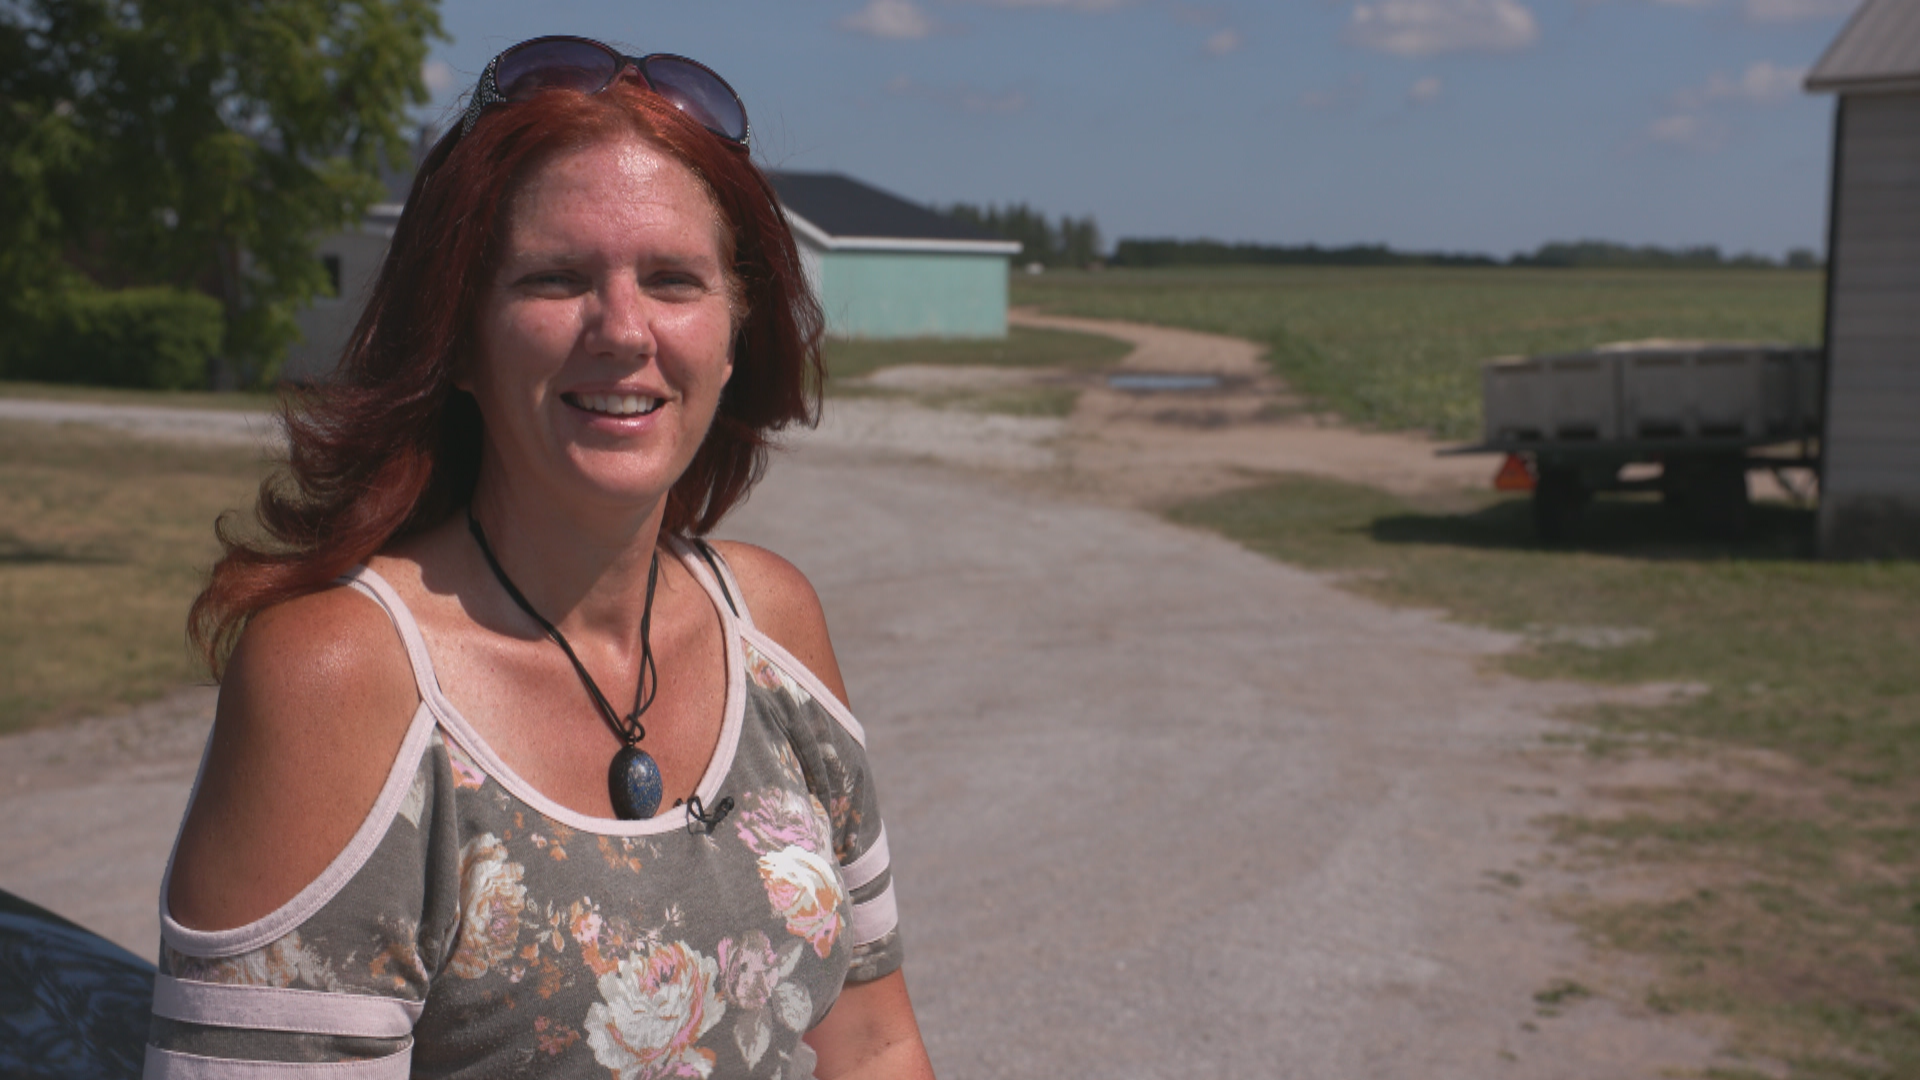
(474, 928)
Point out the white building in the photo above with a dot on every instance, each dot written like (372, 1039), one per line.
(1870, 448)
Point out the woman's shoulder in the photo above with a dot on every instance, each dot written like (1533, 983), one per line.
(785, 607)
(332, 653)
(315, 703)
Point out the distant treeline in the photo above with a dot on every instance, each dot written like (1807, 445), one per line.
(1067, 242)
(1574, 254)
(1075, 242)
(1599, 253)
(1151, 253)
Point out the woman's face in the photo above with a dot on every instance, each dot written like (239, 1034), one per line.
(605, 336)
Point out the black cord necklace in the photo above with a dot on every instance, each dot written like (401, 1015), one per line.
(633, 779)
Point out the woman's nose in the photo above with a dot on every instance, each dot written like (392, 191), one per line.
(624, 327)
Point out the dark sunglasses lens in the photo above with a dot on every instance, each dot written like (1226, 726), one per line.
(699, 93)
(555, 65)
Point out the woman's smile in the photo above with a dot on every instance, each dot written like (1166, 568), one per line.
(613, 404)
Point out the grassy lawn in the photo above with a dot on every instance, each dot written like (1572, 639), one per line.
(104, 544)
(1795, 900)
(1401, 348)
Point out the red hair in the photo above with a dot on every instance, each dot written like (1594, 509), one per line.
(390, 448)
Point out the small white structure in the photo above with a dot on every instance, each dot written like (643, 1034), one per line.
(1870, 449)
(352, 260)
(884, 267)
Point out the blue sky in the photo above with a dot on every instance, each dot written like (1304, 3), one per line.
(1461, 125)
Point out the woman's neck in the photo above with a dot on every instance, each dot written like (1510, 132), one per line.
(584, 572)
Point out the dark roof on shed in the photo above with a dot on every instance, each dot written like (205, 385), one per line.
(841, 206)
(1879, 49)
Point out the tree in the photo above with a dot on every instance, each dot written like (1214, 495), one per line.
(1079, 241)
(201, 144)
(1071, 243)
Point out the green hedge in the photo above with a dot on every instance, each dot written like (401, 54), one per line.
(155, 338)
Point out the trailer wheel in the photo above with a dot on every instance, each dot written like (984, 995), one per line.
(1721, 510)
(1711, 494)
(1558, 499)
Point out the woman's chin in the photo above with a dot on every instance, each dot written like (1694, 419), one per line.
(622, 480)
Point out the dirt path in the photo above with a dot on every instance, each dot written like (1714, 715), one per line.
(1164, 808)
(1159, 807)
(1154, 448)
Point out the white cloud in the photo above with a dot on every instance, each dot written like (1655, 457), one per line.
(1763, 83)
(1779, 11)
(1427, 27)
(439, 77)
(894, 19)
(1690, 131)
(1222, 42)
(1694, 120)
(1423, 91)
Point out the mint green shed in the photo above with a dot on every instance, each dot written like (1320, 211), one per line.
(884, 267)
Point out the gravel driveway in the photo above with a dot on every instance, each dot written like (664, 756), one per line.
(1159, 807)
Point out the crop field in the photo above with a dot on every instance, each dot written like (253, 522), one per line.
(1401, 348)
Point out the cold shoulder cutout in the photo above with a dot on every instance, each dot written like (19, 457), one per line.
(315, 703)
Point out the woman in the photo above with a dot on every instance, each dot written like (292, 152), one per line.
(429, 835)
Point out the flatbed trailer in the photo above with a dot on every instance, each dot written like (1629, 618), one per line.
(1704, 413)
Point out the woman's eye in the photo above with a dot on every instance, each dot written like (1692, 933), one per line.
(679, 284)
(550, 281)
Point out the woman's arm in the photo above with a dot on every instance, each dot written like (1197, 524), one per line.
(871, 1033)
(313, 709)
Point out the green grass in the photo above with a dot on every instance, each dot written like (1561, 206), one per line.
(104, 543)
(112, 395)
(1801, 901)
(1022, 347)
(1402, 348)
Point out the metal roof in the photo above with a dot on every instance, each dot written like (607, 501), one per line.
(839, 212)
(1878, 50)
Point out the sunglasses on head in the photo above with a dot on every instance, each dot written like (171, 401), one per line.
(587, 66)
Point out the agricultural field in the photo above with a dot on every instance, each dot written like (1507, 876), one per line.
(1402, 348)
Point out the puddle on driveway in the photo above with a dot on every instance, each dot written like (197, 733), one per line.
(1162, 381)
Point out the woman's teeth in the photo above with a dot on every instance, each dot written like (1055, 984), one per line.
(614, 404)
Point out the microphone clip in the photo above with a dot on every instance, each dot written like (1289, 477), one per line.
(700, 819)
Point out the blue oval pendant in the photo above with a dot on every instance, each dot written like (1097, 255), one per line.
(633, 780)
